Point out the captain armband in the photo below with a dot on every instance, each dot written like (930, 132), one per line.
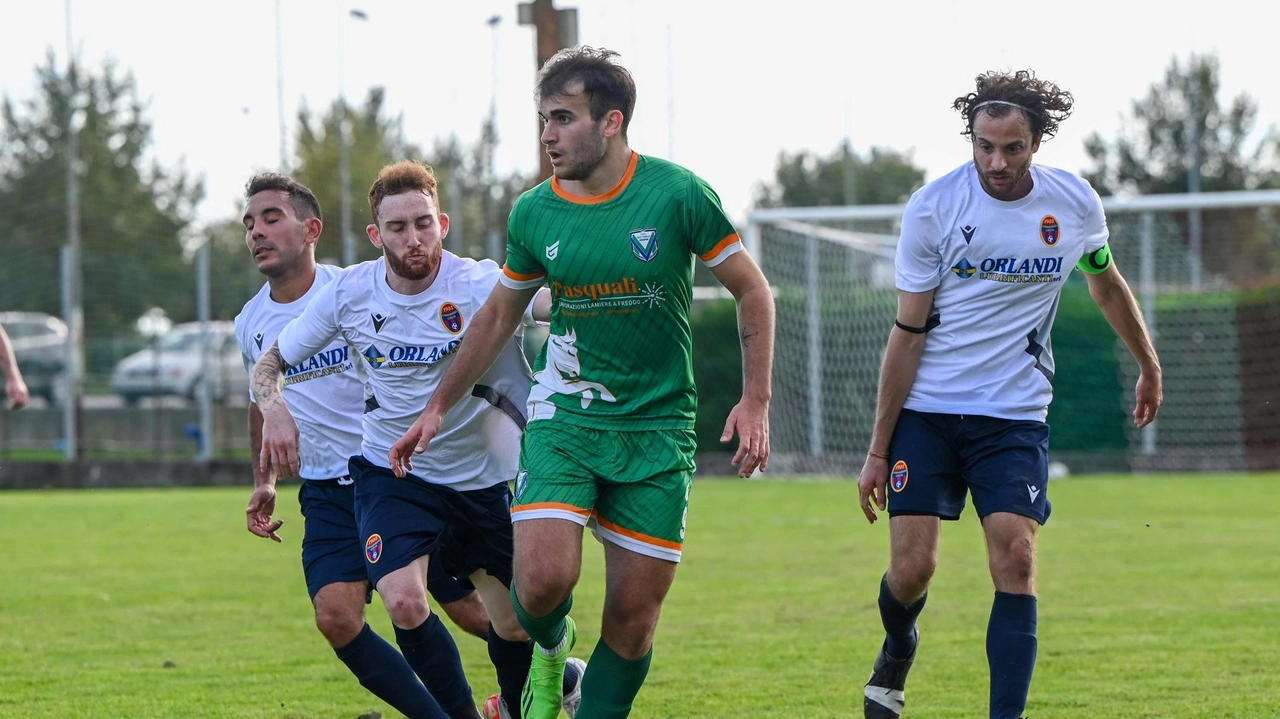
(932, 322)
(1096, 262)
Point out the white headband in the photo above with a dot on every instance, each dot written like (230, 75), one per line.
(1027, 110)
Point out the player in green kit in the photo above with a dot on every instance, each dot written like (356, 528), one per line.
(610, 440)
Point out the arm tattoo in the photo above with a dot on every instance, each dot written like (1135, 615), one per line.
(268, 376)
(746, 336)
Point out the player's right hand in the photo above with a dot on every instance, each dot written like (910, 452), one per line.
(414, 441)
(258, 514)
(871, 486)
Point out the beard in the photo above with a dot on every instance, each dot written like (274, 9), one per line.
(583, 161)
(1015, 176)
(415, 268)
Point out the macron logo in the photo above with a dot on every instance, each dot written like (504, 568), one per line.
(1033, 492)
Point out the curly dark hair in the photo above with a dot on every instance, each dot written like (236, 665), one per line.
(305, 205)
(607, 84)
(1044, 103)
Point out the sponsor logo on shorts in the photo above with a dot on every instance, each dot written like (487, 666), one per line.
(898, 477)
(373, 548)
(450, 317)
(522, 482)
(1049, 230)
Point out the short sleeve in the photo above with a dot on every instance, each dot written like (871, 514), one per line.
(1095, 223)
(523, 269)
(314, 329)
(917, 266)
(711, 234)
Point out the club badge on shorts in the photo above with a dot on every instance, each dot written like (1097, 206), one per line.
(898, 477)
(373, 548)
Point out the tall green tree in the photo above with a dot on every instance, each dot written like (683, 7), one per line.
(376, 140)
(843, 177)
(1182, 127)
(476, 198)
(134, 213)
(1182, 130)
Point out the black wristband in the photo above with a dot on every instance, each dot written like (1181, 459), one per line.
(912, 330)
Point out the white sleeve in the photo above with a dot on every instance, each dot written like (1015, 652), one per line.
(918, 265)
(245, 357)
(314, 329)
(1095, 223)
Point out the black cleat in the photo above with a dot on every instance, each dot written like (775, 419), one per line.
(885, 697)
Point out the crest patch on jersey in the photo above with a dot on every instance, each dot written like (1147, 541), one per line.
(898, 477)
(644, 244)
(553, 250)
(1049, 230)
(373, 548)
(450, 317)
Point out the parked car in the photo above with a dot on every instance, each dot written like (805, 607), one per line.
(40, 346)
(172, 367)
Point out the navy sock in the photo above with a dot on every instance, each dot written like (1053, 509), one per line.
(384, 672)
(511, 662)
(899, 621)
(432, 653)
(1011, 653)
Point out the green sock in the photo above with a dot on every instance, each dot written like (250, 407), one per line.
(546, 631)
(611, 683)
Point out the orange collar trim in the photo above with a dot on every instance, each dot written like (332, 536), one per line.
(597, 199)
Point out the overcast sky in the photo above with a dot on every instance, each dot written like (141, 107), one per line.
(721, 89)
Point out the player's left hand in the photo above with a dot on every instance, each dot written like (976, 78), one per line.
(17, 392)
(258, 514)
(414, 441)
(1149, 395)
(750, 420)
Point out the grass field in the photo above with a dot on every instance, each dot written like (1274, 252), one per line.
(1159, 597)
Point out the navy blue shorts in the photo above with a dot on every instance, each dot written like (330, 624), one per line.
(331, 547)
(935, 459)
(404, 519)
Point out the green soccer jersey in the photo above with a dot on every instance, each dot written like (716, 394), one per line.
(620, 270)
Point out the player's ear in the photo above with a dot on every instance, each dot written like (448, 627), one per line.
(613, 123)
(444, 225)
(374, 236)
(1035, 144)
(314, 228)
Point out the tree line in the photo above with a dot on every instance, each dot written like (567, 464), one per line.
(139, 223)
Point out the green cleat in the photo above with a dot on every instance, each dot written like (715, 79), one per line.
(543, 690)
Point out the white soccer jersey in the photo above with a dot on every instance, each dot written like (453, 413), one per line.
(406, 343)
(997, 268)
(323, 391)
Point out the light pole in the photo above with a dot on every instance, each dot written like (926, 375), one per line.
(284, 134)
(344, 151)
(490, 201)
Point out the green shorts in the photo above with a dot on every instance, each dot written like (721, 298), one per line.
(632, 487)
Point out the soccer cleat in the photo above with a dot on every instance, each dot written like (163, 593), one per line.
(544, 688)
(885, 695)
(574, 670)
(495, 708)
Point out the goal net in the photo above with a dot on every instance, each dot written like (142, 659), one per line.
(1205, 269)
